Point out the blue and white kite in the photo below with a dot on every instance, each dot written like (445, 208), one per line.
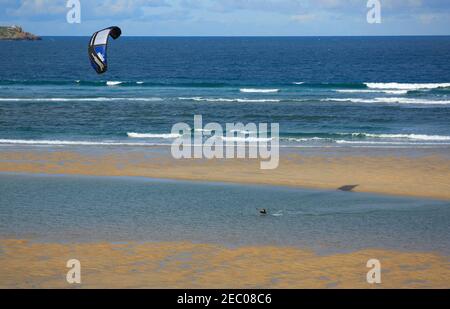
(98, 46)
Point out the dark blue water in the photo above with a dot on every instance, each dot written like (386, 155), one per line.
(322, 91)
(68, 208)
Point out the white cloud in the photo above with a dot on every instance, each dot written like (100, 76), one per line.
(97, 8)
(232, 17)
(39, 7)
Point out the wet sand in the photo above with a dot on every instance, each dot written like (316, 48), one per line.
(25, 264)
(421, 176)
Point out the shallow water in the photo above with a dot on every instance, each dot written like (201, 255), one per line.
(79, 208)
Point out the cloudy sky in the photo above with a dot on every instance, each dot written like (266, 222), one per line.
(231, 17)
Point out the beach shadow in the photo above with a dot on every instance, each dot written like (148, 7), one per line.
(347, 188)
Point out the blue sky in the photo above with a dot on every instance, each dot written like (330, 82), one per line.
(231, 17)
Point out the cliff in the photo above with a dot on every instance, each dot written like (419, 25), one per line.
(16, 33)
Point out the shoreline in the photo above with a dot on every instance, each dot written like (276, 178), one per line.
(27, 264)
(425, 176)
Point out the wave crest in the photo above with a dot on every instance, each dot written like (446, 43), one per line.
(202, 99)
(92, 99)
(153, 135)
(406, 86)
(113, 83)
(254, 90)
(389, 100)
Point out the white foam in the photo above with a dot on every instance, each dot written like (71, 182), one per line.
(405, 86)
(140, 99)
(113, 83)
(389, 100)
(353, 100)
(387, 138)
(412, 101)
(257, 100)
(298, 83)
(245, 139)
(390, 143)
(96, 99)
(201, 99)
(305, 139)
(372, 91)
(153, 135)
(206, 99)
(420, 137)
(396, 91)
(252, 90)
(69, 143)
(139, 83)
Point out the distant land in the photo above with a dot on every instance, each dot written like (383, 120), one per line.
(16, 33)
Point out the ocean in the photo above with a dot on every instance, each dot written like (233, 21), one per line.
(323, 91)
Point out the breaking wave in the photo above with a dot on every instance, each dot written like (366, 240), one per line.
(407, 86)
(245, 139)
(420, 137)
(71, 143)
(113, 83)
(202, 99)
(389, 100)
(398, 92)
(92, 99)
(153, 135)
(253, 90)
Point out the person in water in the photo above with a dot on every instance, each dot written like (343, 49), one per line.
(263, 211)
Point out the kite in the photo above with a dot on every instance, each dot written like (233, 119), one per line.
(98, 46)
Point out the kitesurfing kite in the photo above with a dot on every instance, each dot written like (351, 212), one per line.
(98, 45)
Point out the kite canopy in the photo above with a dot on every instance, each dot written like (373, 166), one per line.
(98, 45)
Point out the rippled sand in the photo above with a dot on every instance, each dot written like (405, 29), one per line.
(421, 176)
(25, 264)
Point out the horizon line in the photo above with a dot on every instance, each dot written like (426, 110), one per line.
(264, 36)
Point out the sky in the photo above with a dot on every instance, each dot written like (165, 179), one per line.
(230, 17)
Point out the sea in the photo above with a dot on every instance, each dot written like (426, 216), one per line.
(322, 91)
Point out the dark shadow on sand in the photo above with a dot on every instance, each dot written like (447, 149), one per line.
(347, 188)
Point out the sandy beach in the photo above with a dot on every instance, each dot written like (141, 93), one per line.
(25, 264)
(425, 175)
